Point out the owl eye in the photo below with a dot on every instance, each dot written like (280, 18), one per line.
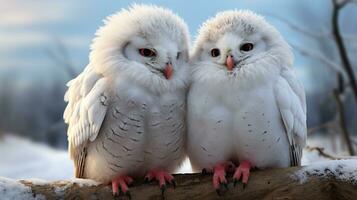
(246, 47)
(147, 52)
(215, 52)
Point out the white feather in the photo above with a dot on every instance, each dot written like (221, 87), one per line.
(78, 112)
(114, 101)
(255, 112)
(292, 105)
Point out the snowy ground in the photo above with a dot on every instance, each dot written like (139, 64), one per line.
(23, 159)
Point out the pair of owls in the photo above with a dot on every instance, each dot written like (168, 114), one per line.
(143, 102)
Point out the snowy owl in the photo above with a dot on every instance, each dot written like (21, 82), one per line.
(126, 111)
(245, 104)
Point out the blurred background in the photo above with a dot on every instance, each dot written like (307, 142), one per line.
(44, 44)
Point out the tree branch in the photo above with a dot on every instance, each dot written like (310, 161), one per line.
(344, 130)
(320, 183)
(341, 46)
(322, 152)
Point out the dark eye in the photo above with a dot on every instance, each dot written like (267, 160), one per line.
(215, 52)
(247, 47)
(147, 52)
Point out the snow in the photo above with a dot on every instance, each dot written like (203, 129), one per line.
(11, 189)
(23, 159)
(84, 182)
(343, 170)
(60, 190)
(310, 157)
(333, 146)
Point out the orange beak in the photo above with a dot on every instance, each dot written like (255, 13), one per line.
(168, 71)
(230, 63)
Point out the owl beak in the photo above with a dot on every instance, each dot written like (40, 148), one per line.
(168, 71)
(229, 62)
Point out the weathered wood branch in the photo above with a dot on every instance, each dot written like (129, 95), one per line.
(264, 184)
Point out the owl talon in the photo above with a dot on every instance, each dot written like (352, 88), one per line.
(219, 176)
(243, 171)
(163, 189)
(163, 177)
(120, 185)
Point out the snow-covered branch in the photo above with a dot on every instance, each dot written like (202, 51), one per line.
(326, 180)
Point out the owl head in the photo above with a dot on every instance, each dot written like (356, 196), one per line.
(238, 45)
(146, 44)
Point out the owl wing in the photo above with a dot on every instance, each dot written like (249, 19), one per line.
(84, 114)
(290, 97)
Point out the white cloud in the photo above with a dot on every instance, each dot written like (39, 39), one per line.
(19, 13)
(19, 63)
(15, 39)
(12, 40)
(76, 41)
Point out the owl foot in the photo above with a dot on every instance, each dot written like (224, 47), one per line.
(163, 177)
(121, 182)
(242, 171)
(219, 176)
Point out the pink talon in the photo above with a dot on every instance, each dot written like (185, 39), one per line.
(242, 171)
(122, 182)
(162, 176)
(219, 175)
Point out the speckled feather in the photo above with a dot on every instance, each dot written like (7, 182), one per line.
(113, 103)
(257, 111)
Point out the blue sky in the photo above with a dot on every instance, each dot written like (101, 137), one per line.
(30, 29)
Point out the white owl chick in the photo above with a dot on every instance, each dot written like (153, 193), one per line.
(245, 104)
(126, 110)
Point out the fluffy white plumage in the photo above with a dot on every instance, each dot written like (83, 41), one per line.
(125, 110)
(245, 102)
